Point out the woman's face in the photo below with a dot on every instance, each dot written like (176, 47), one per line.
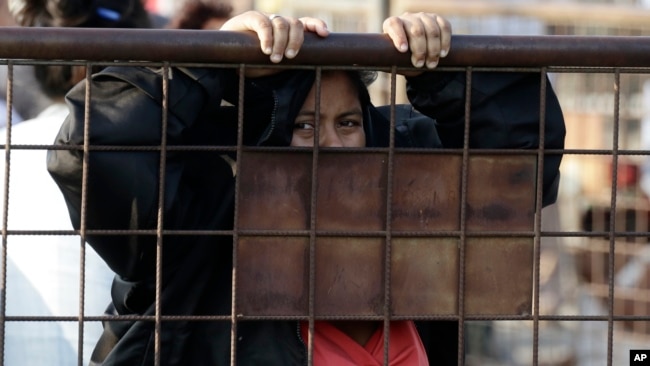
(341, 117)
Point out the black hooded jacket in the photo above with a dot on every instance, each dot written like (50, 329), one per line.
(123, 191)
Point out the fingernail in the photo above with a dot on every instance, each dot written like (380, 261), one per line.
(291, 53)
(443, 53)
(267, 51)
(403, 47)
(432, 64)
(276, 57)
(419, 63)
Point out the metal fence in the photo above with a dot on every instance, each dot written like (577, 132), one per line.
(527, 286)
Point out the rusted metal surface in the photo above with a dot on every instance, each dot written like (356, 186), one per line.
(349, 276)
(275, 199)
(351, 192)
(499, 276)
(336, 49)
(501, 193)
(426, 192)
(272, 273)
(425, 276)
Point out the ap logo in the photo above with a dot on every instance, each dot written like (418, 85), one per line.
(639, 357)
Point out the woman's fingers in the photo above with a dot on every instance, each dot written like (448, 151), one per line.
(288, 35)
(315, 25)
(432, 49)
(255, 21)
(426, 35)
(394, 27)
(445, 35)
(279, 36)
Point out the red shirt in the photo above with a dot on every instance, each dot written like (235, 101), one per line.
(333, 347)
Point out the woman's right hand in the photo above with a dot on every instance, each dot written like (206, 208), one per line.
(279, 36)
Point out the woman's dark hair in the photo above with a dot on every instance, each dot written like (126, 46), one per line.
(367, 76)
(56, 80)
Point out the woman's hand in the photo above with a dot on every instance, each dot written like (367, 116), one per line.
(279, 36)
(426, 35)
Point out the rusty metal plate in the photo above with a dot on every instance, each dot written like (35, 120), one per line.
(349, 276)
(426, 192)
(424, 278)
(272, 276)
(501, 193)
(499, 276)
(274, 191)
(351, 192)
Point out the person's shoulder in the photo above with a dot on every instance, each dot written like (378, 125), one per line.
(403, 112)
(412, 128)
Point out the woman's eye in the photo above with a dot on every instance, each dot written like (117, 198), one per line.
(349, 123)
(303, 126)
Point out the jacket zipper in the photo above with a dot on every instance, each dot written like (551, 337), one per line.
(304, 345)
(273, 115)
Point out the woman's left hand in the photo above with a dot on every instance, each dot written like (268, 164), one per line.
(426, 35)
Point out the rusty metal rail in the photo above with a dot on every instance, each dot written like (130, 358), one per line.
(337, 49)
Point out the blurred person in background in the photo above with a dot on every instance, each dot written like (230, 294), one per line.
(201, 14)
(27, 100)
(43, 272)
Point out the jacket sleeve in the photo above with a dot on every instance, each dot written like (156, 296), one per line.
(123, 182)
(504, 113)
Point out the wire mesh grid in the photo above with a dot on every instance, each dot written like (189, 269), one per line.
(328, 234)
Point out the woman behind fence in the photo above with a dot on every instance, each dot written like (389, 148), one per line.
(199, 187)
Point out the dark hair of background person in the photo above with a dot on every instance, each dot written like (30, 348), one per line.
(80, 13)
(27, 100)
(201, 14)
(57, 80)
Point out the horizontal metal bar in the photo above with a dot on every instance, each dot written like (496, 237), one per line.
(338, 49)
(186, 318)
